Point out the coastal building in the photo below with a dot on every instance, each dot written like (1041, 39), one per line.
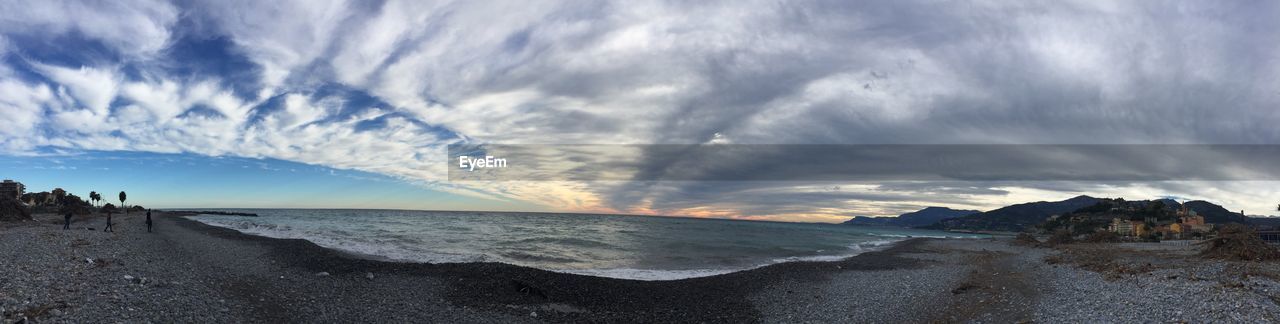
(1126, 227)
(1140, 228)
(10, 188)
(1120, 226)
(1187, 216)
(1192, 222)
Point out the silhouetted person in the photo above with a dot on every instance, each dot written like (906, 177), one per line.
(148, 221)
(66, 221)
(108, 228)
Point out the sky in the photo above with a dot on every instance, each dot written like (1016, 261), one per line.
(358, 100)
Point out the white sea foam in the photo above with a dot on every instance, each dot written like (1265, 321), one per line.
(650, 274)
(661, 275)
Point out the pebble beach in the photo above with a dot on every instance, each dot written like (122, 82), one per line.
(190, 272)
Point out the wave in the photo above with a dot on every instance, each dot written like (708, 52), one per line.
(572, 241)
(854, 250)
(373, 250)
(649, 274)
(662, 275)
(906, 236)
(406, 250)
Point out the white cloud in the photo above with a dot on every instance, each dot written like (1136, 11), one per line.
(134, 27)
(93, 88)
(279, 35)
(646, 72)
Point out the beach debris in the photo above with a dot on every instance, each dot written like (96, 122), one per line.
(527, 288)
(128, 277)
(1108, 262)
(368, 275)
(1026, 239)
(533, 314)
(1060, 237)
(323, 274)
(1102, 237)
(13, 210)
(1238, 242)
(88, 260)
(965, 287)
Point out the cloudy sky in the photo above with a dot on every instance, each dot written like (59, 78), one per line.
(368, 94)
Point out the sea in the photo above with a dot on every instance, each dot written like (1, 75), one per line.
(616, 246)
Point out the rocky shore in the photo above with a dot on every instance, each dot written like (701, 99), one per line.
(190, 272)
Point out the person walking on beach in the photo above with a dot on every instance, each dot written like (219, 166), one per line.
(66, 221)
(108, 228)
(148, 221)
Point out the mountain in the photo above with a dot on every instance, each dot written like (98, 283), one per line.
(931, 215)
(927, 216)
(869, 221)
(1216, 214)
(1265, 223)
(1018, 217)
(1170, 203)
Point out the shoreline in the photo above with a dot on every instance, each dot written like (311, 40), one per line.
(188, 271)
(495, 286)
(651, 274)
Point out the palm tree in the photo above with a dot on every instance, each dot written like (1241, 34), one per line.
(126, 209)
(93, 196)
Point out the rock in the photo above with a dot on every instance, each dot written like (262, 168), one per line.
(88, 260)
(368, 275)
(533, 314)
(128, 277)
(323, 274)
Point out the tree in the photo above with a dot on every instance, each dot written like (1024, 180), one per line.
(60, 196)
(93, 196)
(122, 196)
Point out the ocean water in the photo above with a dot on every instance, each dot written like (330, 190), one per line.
(629, 247)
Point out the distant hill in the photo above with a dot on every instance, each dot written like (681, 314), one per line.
(926, 216)
(869, 221)
(1216, 214)
(1018, 217)
(1098, 216)
(1153, 212)
(1170, 203)
(931, 215)
(1268, 223)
